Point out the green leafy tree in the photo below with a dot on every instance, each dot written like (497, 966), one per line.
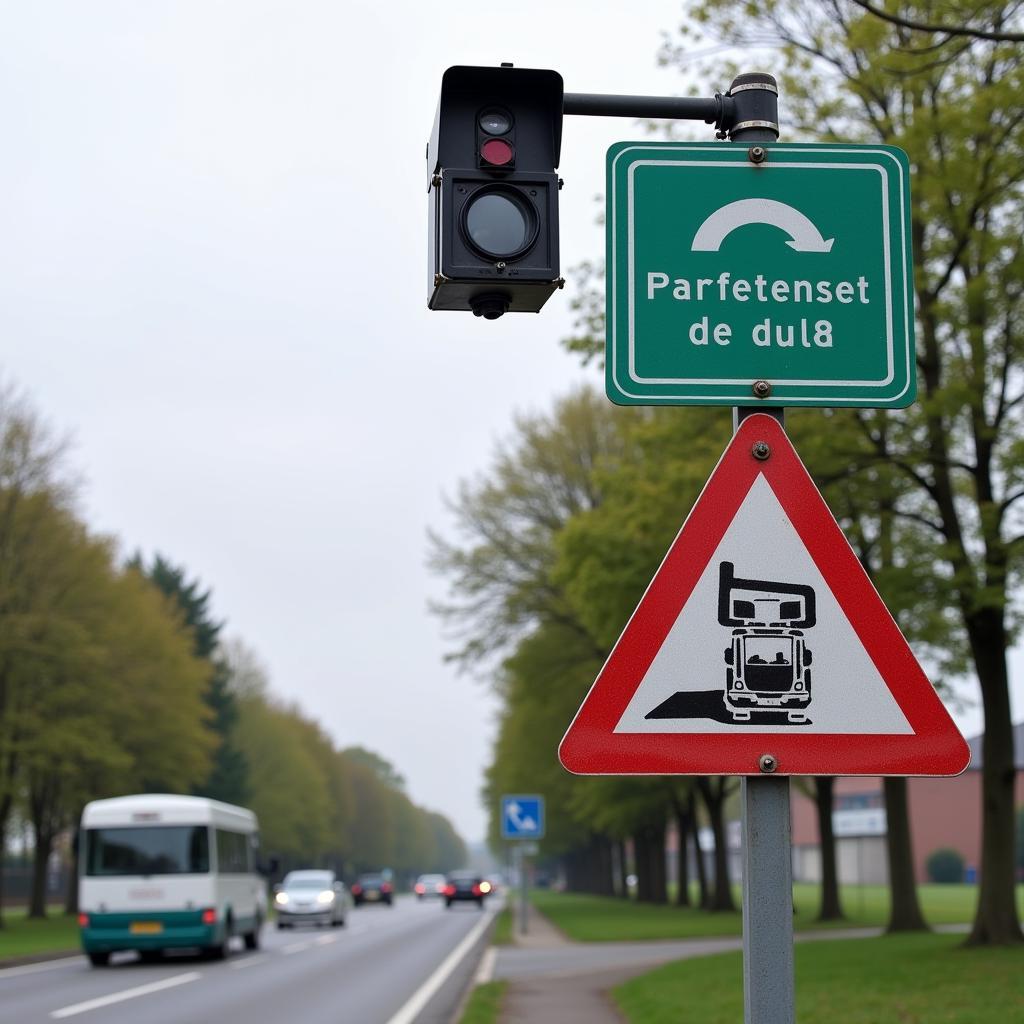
(228, 778)
(953, 104)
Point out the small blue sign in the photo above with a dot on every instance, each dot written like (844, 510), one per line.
(522, 817)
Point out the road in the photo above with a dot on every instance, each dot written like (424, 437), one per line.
(384, 967)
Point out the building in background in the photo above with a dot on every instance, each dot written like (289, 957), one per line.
(944, 813)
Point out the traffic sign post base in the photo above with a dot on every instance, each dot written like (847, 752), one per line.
(768, 989)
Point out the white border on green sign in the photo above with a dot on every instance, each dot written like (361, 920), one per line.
(745, 381)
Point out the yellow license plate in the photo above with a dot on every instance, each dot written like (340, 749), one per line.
(146, 928)
(371, 895)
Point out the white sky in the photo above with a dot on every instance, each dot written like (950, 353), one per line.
(212, 272)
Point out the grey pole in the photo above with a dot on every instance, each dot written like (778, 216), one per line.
(768, 986)
(524, 900)
(768, 991)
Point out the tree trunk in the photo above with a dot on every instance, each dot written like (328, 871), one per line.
(996, 921)
(704, 894)
(683, 869)
(40, 862)
(642, 866)
(658, 868)
(71, 896)
(904, 909)
(683, 810)
(831, 909)
(621, 869)
(713, 792)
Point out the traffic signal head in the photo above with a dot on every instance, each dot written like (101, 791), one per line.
(493, 234)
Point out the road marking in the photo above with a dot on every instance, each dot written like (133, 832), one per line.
(128, 993)
(237, 965)
(49, 965)
(295, 947)
(422, 995)
(325, 940)
(485, 972)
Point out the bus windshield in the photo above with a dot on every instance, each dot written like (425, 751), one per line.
(154, 850)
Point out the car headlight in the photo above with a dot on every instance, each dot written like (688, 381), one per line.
(281, 898)
(325, 897)
(485, 887)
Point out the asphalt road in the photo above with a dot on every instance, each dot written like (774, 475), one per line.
(387, 966)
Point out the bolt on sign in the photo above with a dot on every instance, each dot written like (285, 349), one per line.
(780, 273)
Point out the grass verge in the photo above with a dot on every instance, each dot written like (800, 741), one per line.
(896, 979)
(503, 923)
(606, 919)
(26, 936)
(484, 1003)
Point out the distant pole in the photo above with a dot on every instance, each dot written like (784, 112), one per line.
(524, 893)
(768, 986)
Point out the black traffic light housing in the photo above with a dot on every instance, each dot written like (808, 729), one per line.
(493, 235)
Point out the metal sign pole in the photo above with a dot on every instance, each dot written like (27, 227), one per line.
(768, 990)
(524, 899)
(768, 986)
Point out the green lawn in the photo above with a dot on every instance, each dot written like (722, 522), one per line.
(605, 919)
(23, 936)
(484, 1004)
(502, 934)
(896, 979)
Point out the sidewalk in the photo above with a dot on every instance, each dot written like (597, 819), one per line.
(579, 998)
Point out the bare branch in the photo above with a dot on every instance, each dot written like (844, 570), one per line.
(949, 30)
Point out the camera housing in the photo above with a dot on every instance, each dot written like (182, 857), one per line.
(493, 234)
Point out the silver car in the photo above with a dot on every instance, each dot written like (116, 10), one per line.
(311, 897)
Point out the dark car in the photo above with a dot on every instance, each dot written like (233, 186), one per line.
(466, 885)
(372, 889)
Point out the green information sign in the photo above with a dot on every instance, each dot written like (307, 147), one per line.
(724, 275)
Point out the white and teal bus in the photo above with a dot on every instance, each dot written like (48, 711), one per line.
(159, 872)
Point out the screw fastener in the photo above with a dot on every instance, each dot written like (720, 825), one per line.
(767, 763)
(761, 388)
(757, 154)
(760, 450)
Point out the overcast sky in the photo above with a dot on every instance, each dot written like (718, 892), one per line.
(212, 273)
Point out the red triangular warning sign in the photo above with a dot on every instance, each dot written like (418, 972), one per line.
(762, 634)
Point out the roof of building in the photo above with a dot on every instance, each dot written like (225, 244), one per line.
(1018, 749)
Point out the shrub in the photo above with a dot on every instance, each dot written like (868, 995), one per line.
(945, 865)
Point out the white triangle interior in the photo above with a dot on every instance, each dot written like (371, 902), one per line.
(848, 694)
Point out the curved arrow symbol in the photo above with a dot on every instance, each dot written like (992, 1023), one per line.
(804, 236)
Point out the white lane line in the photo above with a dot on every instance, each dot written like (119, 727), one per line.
(325, 940)
(238, 965)
(295, 947)
(128, 993)
(48, 965)
(423, 995)
(485, 972)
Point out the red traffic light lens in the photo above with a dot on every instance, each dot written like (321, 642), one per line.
(496, 152)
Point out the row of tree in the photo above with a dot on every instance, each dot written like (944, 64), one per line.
(113, 680)
(562, 535)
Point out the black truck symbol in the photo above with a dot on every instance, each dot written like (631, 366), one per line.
(769, 663)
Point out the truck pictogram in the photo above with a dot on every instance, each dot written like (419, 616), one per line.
(768, 661)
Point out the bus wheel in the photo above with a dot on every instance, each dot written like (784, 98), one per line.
(99, 959)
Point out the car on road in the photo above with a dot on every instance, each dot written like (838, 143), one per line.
(429, 885)
(311, 897)
(466, 885)
(373, 888)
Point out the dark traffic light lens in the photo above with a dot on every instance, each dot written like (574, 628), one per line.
(499, 223)
(495, 122)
